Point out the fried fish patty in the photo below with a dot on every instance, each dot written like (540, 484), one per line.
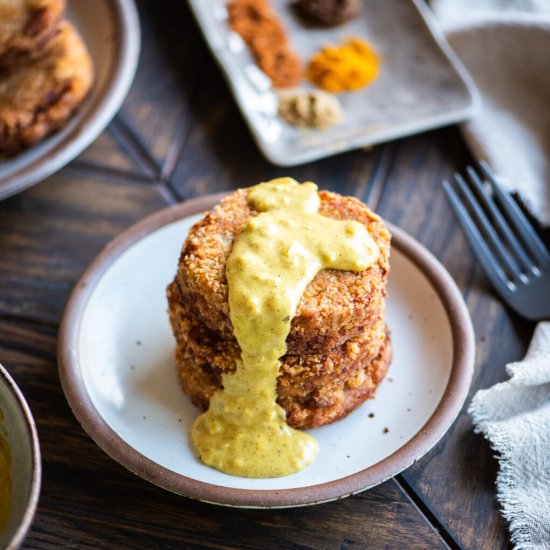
(38, 98)
(336, 305)
(314, 389)
(26, 27)
(338, 348)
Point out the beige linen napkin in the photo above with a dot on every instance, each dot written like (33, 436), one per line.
(507, 52)
(505, 45)
(515, 418)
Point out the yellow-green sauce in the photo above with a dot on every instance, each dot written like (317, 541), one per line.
(274, 258)
(5, 481)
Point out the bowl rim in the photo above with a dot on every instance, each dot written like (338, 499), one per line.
(34, 496)
(108, 440)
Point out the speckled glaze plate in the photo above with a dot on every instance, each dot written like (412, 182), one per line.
(110, 29)
(421, 85)
(116, 366)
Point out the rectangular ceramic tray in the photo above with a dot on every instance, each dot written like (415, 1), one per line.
(421, 84)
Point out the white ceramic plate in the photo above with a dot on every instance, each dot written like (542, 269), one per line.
(421, 85)
(116, 366)
(110, 29)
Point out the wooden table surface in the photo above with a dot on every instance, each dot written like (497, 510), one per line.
(179, 135)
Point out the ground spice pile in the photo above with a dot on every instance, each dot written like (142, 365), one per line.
(310, 109)
(326, 13)
(348, 67)
(258, 25)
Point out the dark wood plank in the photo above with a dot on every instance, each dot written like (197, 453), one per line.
(456, 480)
(89, 501)
(50, 233)
(158, 107)
(107, 152)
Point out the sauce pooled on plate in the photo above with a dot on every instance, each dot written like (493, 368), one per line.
(273, 259)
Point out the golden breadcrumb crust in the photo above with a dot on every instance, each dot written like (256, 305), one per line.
(336, 306)
(26, 27)
(313, 388)
(338, 348)
(38, 98)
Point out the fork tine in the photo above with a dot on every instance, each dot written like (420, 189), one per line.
(481, 218)
(499, 221)
(475, 239)
(522, 225)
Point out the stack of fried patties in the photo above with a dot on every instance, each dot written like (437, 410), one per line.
(45, 71)
(338, 347)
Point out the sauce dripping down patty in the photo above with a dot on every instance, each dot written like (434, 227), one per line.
(273, 259)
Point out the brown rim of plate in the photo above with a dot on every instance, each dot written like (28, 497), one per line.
(30, 510)
(446, 412)
(99, 109)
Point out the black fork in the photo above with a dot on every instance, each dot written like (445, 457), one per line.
(505, 243)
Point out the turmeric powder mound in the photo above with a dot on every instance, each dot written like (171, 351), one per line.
(264, 34)
(348, 67)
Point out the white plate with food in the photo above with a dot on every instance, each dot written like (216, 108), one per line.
(110, 31)
(116, 361)
(421, 84)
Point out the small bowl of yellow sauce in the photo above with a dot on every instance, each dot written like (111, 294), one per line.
(20, 470)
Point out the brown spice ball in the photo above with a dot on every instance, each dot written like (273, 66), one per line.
(326, 13)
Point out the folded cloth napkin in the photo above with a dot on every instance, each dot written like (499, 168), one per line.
(515, 417)
(505, 45)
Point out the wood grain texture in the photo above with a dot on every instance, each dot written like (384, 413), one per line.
(89, 501)
(456, 479)
(107, 152)
(179, 135)
(169, 76)
(49, 234)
